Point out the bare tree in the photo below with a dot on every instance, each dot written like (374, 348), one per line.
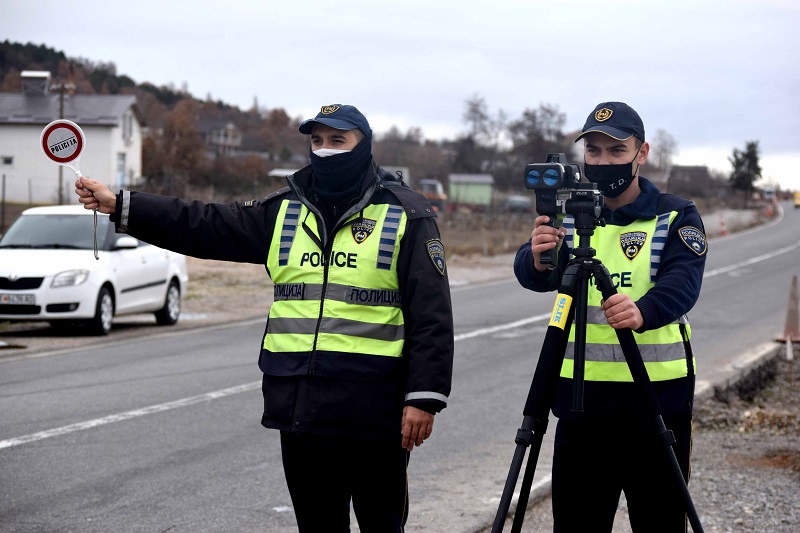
(662, 149)
(480, 148)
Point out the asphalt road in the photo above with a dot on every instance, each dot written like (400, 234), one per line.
(162, 432)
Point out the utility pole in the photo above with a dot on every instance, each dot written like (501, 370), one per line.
(61, 88)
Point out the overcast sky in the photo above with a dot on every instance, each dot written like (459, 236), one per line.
(713, 74)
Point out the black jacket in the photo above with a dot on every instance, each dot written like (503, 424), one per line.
(242, 232)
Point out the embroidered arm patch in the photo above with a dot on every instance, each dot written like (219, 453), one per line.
(694, 239)
(436, 253)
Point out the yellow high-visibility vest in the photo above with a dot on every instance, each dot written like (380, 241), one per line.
(346, 300)
(632, 255)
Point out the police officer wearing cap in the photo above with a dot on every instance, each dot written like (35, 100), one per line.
(358, 349)
(654, 246)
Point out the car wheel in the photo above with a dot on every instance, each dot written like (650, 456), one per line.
(169, 314)
(100, 324)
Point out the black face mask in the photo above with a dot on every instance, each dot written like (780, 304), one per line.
(612, 180)
(338, 173)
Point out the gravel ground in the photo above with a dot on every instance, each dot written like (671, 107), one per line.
(745, 458)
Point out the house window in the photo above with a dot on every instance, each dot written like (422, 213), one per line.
(127, 126)
(6, 160)
(121, 169)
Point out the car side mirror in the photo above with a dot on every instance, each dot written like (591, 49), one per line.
(126, 242)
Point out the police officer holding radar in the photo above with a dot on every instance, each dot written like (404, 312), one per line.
(358, 349)
(654, 246)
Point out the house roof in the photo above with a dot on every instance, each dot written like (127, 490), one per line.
(84, 109)
(471, 178)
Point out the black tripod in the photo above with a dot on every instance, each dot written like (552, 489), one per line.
(575, 285)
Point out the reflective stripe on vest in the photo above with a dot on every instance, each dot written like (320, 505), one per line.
(632, 255)
(288, 230)
(389, 237)
(356, 308)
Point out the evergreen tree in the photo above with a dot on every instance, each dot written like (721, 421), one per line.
(746, 168)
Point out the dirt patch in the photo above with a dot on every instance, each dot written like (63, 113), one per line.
(223, 291)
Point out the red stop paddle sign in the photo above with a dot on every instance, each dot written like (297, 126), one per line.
(63, 142)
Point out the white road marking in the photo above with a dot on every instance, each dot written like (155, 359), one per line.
(119, 417)
(751, 261)
(501, 327)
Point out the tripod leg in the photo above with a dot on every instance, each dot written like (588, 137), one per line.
(527, 482)
(524, 438)
(537, 406)
(642, 381)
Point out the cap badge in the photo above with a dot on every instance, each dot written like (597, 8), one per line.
(328, 109)
(603, 114)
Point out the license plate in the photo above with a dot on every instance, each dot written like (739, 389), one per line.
(18, 299)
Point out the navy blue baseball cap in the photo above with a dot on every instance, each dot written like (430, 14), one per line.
(616, 119)
(340, 117)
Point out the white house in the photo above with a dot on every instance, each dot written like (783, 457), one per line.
(112, 154)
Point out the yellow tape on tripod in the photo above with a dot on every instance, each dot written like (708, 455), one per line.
(561, 310)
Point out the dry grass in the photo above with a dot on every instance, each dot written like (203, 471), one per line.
(484, 235)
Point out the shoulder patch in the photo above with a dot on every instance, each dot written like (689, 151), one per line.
(694, 239)
(436, 253)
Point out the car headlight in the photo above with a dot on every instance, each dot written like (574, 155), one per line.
(70, 278)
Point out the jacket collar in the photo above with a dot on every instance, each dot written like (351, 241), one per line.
(300, 183)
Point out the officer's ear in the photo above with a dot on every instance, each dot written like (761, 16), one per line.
(644, 151)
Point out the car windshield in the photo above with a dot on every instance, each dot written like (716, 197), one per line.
(55, 231)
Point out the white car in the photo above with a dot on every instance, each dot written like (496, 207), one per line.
(48, 272)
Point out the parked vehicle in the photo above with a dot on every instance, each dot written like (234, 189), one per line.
(48, 272)
(433, 190)
(518, 204)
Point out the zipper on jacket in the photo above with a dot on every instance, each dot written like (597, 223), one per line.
(325, 271)
(327, 254)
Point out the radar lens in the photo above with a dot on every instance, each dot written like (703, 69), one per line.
(533, 177)
(551, 177)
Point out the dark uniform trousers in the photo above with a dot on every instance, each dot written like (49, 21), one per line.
(594, 461)
(324, 473)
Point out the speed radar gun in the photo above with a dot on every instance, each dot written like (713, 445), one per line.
(559, 193)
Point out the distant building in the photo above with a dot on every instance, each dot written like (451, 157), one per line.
(222, 137)
(470, 191)
(657, 176)
(694, 182)
(113, 152)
